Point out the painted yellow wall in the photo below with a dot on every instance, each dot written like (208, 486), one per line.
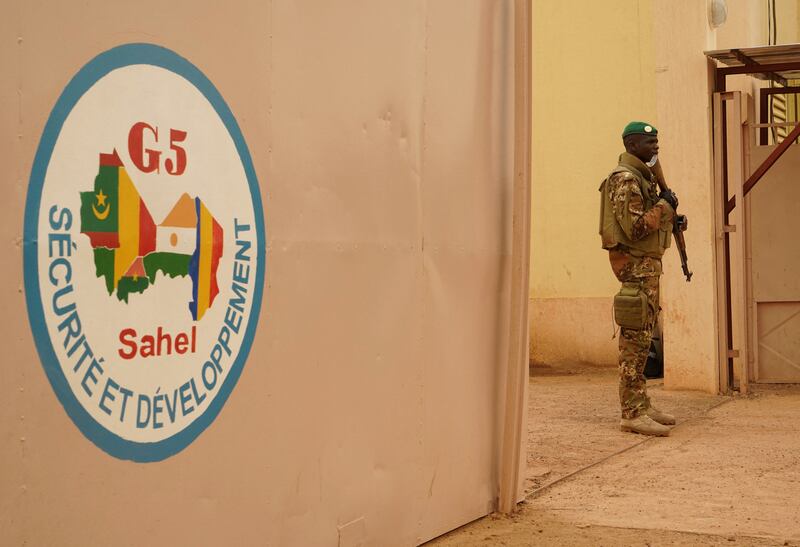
(593, 72)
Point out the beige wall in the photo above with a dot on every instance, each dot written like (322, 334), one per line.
(788, 20)
(593, 73)
(379, 132)
(689, 316)
(683, 103)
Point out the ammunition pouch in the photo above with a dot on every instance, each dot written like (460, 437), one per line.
(630, 306)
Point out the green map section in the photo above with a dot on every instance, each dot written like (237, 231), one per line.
(107, 183)
(171, 264)
(127, 285)
(104, 266)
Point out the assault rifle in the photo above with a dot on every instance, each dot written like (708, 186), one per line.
(679, 223)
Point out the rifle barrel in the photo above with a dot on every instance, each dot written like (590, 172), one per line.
(677, 233)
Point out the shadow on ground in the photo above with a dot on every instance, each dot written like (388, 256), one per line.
(573, 418)
(728, 474)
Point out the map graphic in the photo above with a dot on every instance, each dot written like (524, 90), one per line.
(130, 249)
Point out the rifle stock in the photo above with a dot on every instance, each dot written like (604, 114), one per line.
(679, 223)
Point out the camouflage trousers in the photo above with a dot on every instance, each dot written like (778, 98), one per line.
(634, 346)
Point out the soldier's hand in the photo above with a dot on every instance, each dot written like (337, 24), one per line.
(670, 197)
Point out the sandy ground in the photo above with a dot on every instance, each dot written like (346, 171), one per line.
(729, 474)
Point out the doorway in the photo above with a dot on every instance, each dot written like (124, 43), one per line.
(756, 192)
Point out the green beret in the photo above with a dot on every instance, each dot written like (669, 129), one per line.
(639, 128)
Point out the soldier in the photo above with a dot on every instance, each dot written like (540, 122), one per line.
(635, 226)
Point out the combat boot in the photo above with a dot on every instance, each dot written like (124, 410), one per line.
(645, 425)
(661, 417)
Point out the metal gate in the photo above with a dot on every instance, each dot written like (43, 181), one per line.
(757, 258)
(761, 259)
(774, 268)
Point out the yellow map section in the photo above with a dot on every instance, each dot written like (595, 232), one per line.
(129, 204)
(204, 271)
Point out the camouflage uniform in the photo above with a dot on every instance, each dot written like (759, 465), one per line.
(637, 222)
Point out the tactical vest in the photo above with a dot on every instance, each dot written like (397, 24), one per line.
(611, 232)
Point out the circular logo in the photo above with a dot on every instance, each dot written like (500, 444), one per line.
(144, 251)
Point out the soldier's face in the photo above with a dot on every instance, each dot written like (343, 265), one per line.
(645, 147)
